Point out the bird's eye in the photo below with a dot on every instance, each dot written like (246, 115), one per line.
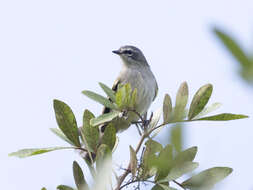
(128, 52)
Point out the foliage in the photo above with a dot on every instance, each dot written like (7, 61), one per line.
(244, 59)
(159, 165)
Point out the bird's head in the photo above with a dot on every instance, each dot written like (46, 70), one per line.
(131, 56)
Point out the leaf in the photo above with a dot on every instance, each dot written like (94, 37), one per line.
(185, 156)
(167, 109)
(100, 99)
(103, 153)
(208, 110)
(181, 169)
(162, 187)
(43, 188)
(107, 117)
(64, 187)
(233, 48)
(155, 119)
(133, 98)
(109, 136)
(133, 161)
(123, 96)
(60, 134)
(34, 151)
(153, 146)
(176, 137)
(66, 121)
(116, 144)
(109, 92)
(181, 101)
(207, 178)
(200, 100)
(164, 162)
(90, 133)
(79, 177)
(149, 158)
(223, 117)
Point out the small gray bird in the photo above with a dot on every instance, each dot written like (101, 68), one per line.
(135, 71)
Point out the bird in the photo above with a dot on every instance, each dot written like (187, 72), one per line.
(137, 72)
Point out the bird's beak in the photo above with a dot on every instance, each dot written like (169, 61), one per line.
(116, 52)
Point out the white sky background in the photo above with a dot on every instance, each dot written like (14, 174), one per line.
(57, 48)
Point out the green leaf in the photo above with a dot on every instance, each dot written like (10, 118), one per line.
(34, 151)
(103, 153)
(223, 117)
(233, 48)
(200, 100)
(64, 187)
(60, 134)
(153, 146)
(100, 99)
(207, 178)
(109, 92)
(123, 96)
(90, 133)
(181, 101)
(133, 161)
(149, 158)
(107, 117)
(185, 156)
(181, 169)
(176, 137)
(208, 110)
(167, 109)
(109, 136)
(79, 177)
(133, 99)
(164, 162)
(66, 121)
(43, 188)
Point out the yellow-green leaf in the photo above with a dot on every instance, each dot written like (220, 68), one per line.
(167, 109)
(133, 161)
(223, 117)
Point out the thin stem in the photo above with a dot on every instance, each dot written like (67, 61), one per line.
(134, 181)
(179, 184)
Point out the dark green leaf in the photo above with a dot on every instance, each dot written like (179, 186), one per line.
(133, 161)
(109, 92)
(107, 117)
(207, 178)
(66, 121)
(79, 177)
(176, 137)
(233, 48)
(223, 117)
(34, 151)
(90, 133)
(103, 153)
(167, 109)
(100, 99)
(164, 162)
(60, 134)
(200, 100)
(185, 156)
(181, 169)
(64, 187)
(109, 136)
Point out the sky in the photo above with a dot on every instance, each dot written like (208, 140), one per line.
(54, 49)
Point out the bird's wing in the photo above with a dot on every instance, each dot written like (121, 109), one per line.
(114, 88)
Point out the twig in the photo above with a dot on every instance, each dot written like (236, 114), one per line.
(179, 184)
